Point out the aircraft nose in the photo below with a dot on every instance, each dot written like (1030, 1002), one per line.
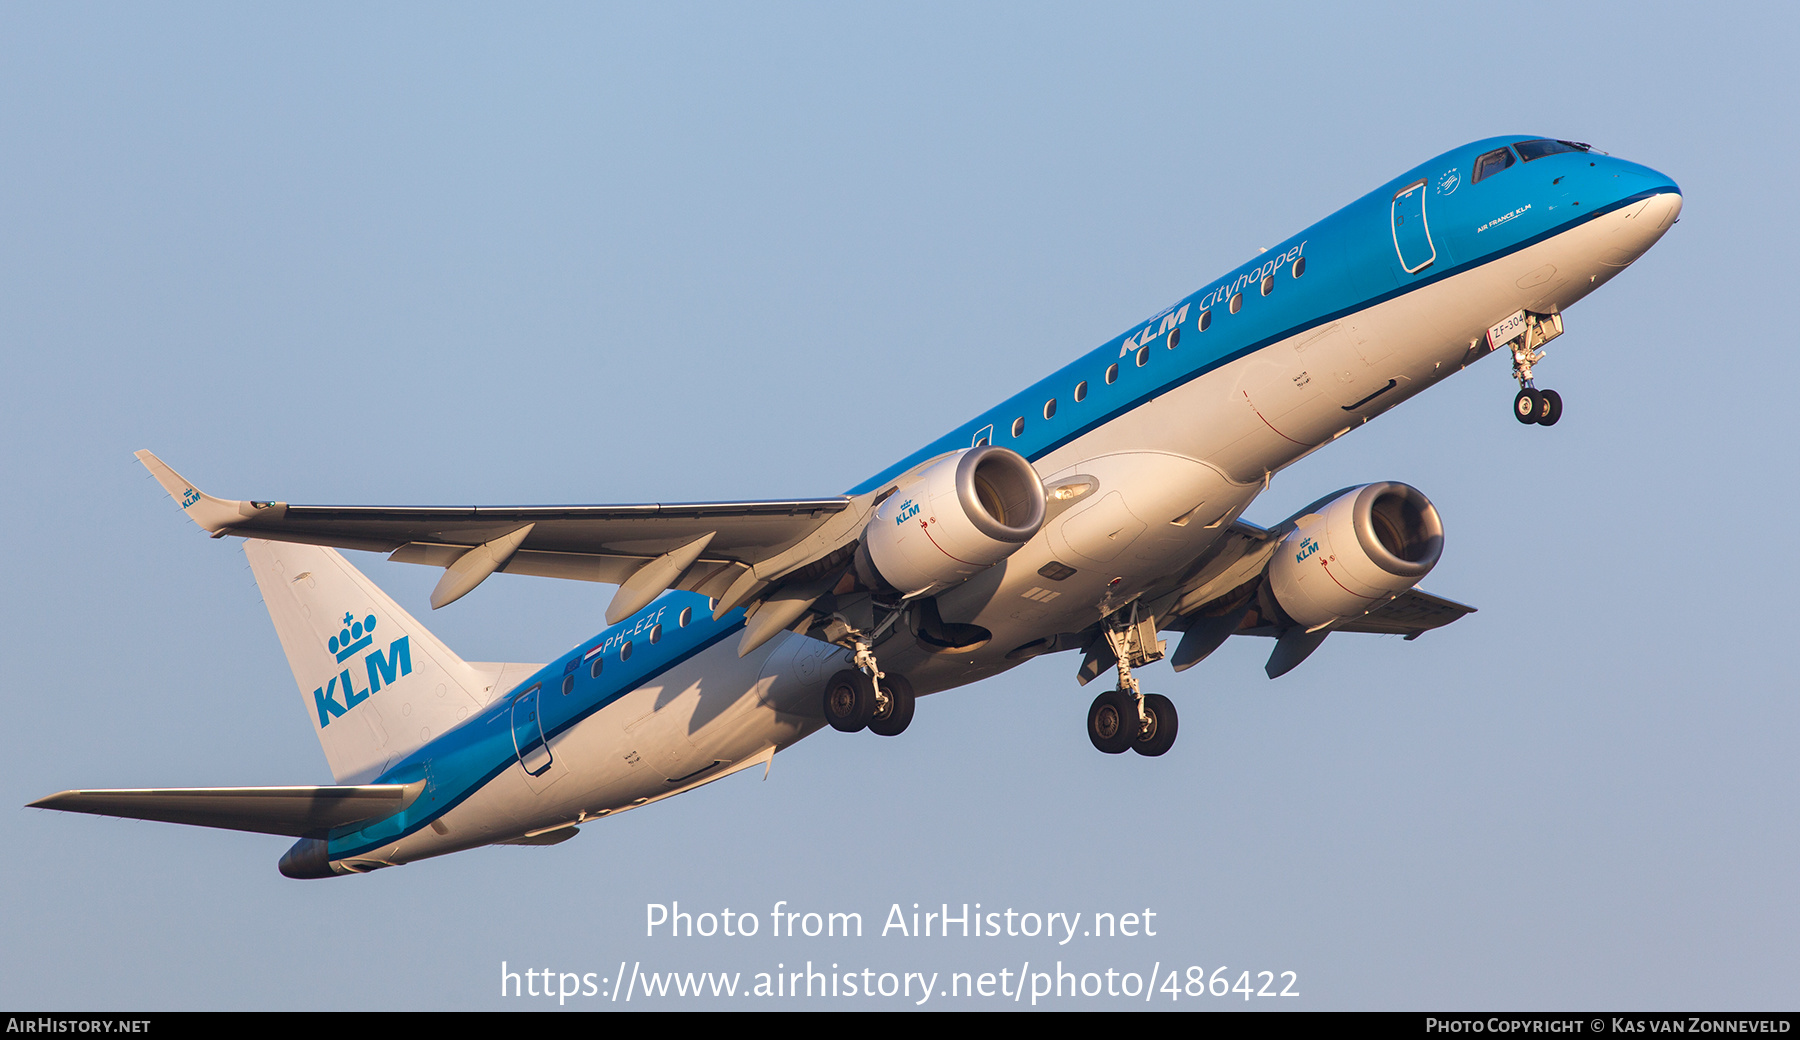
(1663, 210)
(1638, 226)
(1637, 180)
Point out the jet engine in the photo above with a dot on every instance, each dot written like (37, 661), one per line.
(960, 515)
(1359, 549)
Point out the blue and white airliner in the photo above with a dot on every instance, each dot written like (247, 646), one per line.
(1091, 512)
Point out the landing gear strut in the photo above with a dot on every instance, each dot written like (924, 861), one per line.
(865, 697)
(1542, 407)
(1127, 718)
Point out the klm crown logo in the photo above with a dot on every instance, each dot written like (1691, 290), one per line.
(189, 497)
(381, 667)
(355, 636)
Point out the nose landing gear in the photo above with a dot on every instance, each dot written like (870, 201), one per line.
(1527, 333)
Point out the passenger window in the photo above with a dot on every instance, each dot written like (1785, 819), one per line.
(1143, 356)
(1050, 408)
(1237, 302)
(687, 615)
(1492, 163)
(655, 634)
(1018, 426)
(568, 684)
(1174, 338)
(1268, 285)
(1205, 321)
(625, 651)
(1081, 391)
(595, 670)
(1112, 374)
(1299, 267)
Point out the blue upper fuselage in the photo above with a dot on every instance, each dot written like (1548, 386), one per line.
(1352, 259)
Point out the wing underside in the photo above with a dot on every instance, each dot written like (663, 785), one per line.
(1226, 595)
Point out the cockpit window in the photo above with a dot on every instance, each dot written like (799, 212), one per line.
(1492, 163)
(1529, 150)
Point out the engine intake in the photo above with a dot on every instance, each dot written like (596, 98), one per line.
(1363, 547)
(959, 516)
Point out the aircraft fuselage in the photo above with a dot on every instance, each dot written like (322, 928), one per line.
(1158, 440)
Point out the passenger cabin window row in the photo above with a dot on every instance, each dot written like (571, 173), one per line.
(1142, 357)
(594, 669)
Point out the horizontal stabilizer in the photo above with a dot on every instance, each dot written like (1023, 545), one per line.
(300, 812)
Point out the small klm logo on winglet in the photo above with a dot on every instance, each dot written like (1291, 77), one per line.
(380, 667)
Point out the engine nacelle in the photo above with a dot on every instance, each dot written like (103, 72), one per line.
(961, 515)
(1361, 548)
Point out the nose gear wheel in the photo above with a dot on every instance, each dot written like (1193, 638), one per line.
(1533, 406)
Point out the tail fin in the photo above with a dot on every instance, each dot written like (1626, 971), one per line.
(376, 685)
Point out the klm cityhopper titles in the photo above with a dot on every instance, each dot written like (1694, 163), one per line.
(1092, 512)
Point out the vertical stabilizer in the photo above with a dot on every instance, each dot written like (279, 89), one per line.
(375, 684)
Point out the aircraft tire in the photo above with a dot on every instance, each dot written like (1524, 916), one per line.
(1163, 723)
(899, 715)
(1109, 722)
(1552, 409)
(849, 701)
(1527, 406)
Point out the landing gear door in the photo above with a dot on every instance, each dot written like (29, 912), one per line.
(1412, 236)
(528, 733)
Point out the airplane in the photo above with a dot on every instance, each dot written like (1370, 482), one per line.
(1092, 512)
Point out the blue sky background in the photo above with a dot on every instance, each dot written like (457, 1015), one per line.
(434, 253)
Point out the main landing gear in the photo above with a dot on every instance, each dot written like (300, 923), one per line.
(855, 701)
(1542, 407)
(865, 697)
(1127, 718)
(1114, 725)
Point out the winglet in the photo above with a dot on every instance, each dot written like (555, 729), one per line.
(212, 514)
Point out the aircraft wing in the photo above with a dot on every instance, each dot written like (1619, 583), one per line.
(299, 812)
(1411, 614)
(729, 550)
